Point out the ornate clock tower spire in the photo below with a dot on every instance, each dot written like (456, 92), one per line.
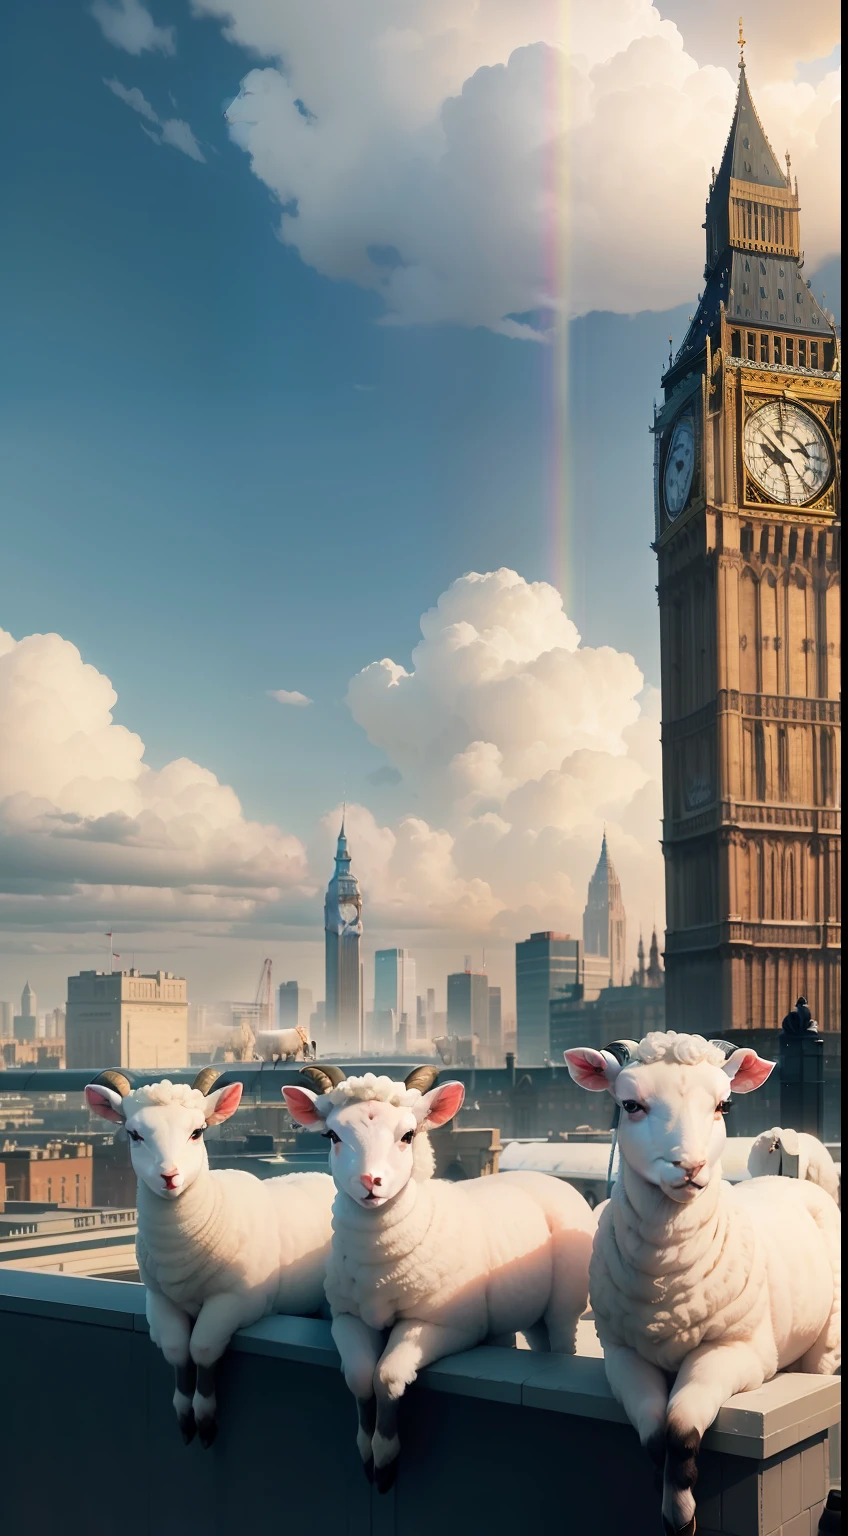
(747, 496)
(342, 956)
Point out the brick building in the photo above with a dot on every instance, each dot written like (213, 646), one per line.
(59, 1173)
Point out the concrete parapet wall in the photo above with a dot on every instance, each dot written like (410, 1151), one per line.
(513, 1441)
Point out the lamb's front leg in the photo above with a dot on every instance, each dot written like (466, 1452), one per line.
(217, 1321)
(642, 1390)
(706, 1379)
(411, 1346)
(359, 1347)
(170, 1330)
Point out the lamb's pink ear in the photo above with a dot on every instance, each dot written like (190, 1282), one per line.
(747, 1070)
(594, 1070)
(440, 1105)
(105, 1102)
(302, 1106)
(223, 1103)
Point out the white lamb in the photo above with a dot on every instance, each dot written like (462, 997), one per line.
(284, 1045)
(420, 1267)
(713, 1285)
(814, 1161)
(216, 1251)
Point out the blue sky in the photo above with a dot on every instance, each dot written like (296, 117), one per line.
(222, 476)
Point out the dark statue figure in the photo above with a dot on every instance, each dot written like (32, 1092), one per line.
(800, 1021)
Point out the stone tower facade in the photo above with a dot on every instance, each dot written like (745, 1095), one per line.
(343, 1029)
(747, 538)
(604, 918)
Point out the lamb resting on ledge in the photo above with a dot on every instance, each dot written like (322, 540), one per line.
(814, 1161)
(421, 1268)
(719, 1287)
(216, 1250)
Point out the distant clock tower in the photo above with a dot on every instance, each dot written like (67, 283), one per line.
(747, 488)
(343, 1029)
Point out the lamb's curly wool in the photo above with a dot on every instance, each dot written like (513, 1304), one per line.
(664, 1281)
(486, 1256)
(364, 1089)
(666, 1045)
(164, 1092)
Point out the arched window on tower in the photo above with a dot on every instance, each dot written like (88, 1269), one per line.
(782, 764)
(789, 912)
(759, 761)
(826, 767)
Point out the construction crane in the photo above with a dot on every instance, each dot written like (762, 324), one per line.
(264, 1002)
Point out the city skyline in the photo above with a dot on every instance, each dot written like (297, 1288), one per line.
(240, 406)
(387, 1012)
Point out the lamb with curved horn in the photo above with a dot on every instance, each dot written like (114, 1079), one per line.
(321, 1078)
(700, 1290)
(217, 1250)
(421, 1268)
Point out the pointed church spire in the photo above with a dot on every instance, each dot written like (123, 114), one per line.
(654, 973)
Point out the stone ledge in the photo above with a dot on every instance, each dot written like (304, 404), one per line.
(756, 1425)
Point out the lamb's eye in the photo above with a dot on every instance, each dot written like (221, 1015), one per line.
(196, 1135)
(331, 1136)
(632, 1107)
(408, 1138)
(134, 1136)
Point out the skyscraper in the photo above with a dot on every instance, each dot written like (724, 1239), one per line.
(395, 1010)
(747, 494)
(468, 1007)
(25, 1022)
(547, 965)
(294, 1005)
(604, 919)
(342, 1034)
(495, 1028)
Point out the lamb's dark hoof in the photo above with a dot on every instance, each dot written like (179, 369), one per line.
(655, 1447)
(385, 1476)
(368, 1468)
(188, 1428)
(679, 1530)
(207, 1429)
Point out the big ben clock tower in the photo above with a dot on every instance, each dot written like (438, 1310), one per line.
(747, 539)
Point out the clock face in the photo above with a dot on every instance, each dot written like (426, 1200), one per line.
(348, 911)
(679, 466)
(786, 452)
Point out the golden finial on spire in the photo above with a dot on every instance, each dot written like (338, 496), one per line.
(788, 169)
(741, 45)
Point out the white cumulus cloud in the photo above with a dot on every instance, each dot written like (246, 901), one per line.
(289, 696)
(129, 25)
(478, 160)
(84, 820)
(521, 744)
